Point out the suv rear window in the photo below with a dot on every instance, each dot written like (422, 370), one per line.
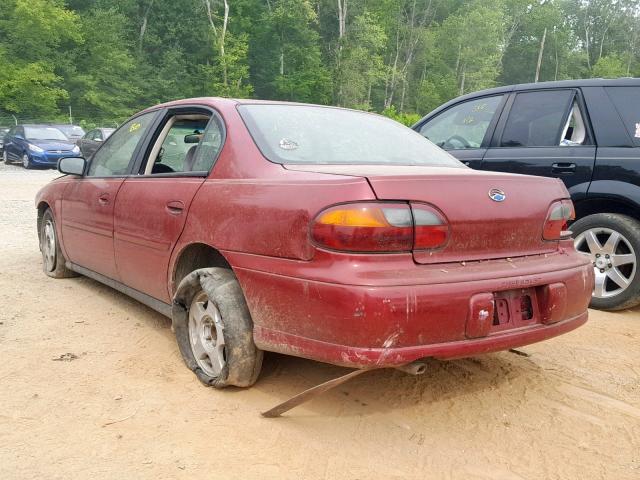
(627, 102)
(324, 135)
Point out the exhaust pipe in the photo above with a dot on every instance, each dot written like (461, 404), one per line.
(413, 368)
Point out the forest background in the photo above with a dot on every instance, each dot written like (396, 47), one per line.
(96, 62)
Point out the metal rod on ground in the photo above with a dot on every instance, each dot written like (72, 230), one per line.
(414, 368)
(310, 394)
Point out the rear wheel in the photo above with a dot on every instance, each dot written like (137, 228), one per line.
(216, 335)
(53, 261)
(612, 243)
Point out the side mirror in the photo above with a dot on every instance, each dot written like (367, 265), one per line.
(72, 165)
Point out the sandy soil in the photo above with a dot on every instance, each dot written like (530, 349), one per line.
(92, 386)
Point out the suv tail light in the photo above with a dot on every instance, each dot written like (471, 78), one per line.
(379, 227)
(557, 223)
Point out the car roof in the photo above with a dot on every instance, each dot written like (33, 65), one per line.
(588, 82)
(37, 125)
(238, 101)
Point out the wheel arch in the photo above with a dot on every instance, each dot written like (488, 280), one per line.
(42, 207)
(590, 206)
(194, 256)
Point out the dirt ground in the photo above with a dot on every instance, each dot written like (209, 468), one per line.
(92, 386)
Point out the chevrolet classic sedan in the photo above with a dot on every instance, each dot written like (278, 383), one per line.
(325, 233)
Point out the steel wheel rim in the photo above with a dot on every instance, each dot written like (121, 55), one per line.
(206, 335)
(25, 160)
(49, 246)
(613, 258)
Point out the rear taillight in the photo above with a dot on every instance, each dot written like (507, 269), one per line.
(379, 227)
(556, 226)
(431, 229)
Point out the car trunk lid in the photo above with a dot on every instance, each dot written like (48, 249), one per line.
(480, 227)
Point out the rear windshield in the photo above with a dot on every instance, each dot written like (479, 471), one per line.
(324, 135)
(627, 102)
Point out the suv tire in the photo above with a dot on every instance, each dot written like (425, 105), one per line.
(612, 241)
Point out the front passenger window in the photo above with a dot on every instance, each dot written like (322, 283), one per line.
(464, 125)
(114, 157)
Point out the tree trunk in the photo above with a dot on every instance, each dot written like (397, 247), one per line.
(342, 18)
(225, 22)
(143, 27)
(388, 101)
(458, 58)
(586, 44)
(544, 37)
(555, 43)
(219, 39)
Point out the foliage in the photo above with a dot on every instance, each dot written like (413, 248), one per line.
(407, 119)
(106, 59)
(611, 66)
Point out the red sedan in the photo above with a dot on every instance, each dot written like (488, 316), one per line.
(325, 233)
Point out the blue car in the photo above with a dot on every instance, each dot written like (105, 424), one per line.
(37, 145)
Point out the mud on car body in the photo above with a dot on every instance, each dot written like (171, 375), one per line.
(325, 233)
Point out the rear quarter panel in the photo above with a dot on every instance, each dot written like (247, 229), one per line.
(253, 206)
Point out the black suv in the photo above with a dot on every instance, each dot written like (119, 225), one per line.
(585, 132)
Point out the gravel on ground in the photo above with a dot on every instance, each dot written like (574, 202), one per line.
(92, 386)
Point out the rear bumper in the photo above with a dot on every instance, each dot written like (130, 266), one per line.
(386, 357)
(418, 311)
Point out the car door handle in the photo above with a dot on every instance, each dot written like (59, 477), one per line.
(104, 199)
(563, 168)
(175, 207)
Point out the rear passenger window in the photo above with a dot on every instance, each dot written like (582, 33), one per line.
(627, 102)
(186, 143)
(537, 119)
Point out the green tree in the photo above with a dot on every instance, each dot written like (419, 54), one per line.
(32, 33)
(286, 58)
(361, 63)
(610, 66)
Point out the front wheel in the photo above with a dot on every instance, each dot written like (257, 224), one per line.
(214, 330)
(53, 261)
(5, 157)
(26, 161)
(612, 243)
